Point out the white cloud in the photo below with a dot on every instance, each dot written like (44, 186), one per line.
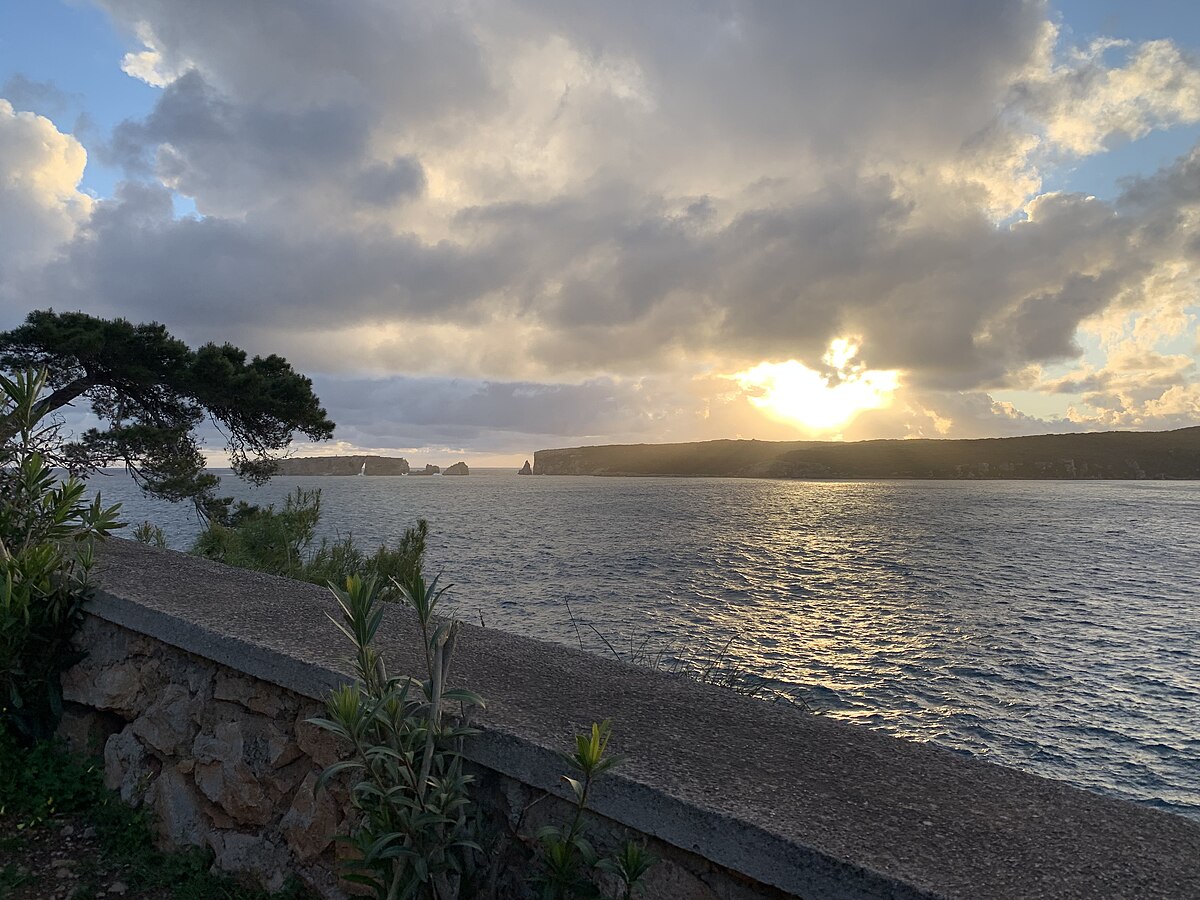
(150, 65)
(1084, 103)
(40, 203)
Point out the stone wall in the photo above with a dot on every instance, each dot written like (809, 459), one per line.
(230, 762)
(223, 760)
(200, 679)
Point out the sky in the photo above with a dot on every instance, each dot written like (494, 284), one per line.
(487, 228)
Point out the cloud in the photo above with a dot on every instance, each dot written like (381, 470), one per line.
(151, 65)
(621, 203)
(518, 417)
(414, 412)
(43, 97)
(1085, 104)
(40, 203)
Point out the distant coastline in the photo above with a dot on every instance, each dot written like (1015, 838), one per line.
(362, 464)
(1115, 455)
(344, 465)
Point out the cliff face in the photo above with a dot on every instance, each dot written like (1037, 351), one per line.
(459, 468)
(344, 465)
(1110, 455)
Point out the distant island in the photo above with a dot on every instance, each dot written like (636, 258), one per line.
(363, 465)
(1106, 455)
(344, 465)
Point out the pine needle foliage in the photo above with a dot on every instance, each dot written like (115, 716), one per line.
(151, 393)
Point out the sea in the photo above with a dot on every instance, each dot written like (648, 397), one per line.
(1049, 626)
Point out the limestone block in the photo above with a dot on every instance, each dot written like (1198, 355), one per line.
(222, 743)
(232, 687)
(198, 674)
(168, 723)
(321, 746)
(179, 819)
(234, 789)
(265, 746)
(117, 688)
(189, 670)
(281, 782)
(127, 768)
(107, 644)
(223, 776)
(219, 712)
(256, 696)
(311, 822)
(262, 859)
(217, 817)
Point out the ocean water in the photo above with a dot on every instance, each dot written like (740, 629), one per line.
(1049, 626)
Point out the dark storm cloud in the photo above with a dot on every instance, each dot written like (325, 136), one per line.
(410, 59)
(211, 148)
(955, 310)
(213, 274)
(607, 267)
(386, 183)
(813, 72)
(1170, 188)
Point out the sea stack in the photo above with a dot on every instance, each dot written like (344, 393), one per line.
(525, 469)
(459, 468)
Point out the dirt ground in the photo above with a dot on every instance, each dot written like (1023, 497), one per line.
(61, 860)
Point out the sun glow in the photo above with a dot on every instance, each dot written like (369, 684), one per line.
(819, 400)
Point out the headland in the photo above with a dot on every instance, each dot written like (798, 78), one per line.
(1107, 455)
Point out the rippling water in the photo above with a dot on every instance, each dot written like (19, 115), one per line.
(1049, 626)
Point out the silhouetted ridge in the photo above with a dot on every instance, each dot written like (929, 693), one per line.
(1111, 454)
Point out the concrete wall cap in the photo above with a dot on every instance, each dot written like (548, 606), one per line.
(804, 803)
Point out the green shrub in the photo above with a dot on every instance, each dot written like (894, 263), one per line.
(414, 832)
(412, 835)
(570, 866)
(151, 535)
(47, 529)
(281, 542)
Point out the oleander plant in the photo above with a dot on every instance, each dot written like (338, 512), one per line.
(413, 835)
(48, 529)
(414, 831)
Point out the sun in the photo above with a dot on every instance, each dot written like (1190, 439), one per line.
(820, 402)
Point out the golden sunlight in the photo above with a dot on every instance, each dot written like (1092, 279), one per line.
(792, 392)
